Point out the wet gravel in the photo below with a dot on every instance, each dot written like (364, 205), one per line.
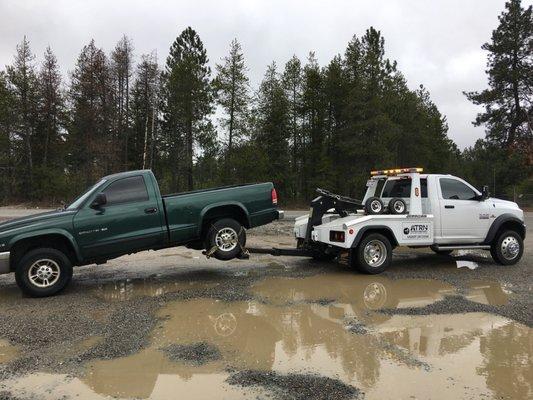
(44, 330)
(195, 354)
(458, 305)
(296, 386)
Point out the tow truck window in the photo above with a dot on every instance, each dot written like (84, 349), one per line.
(402, 188)
(127, 190)
(452, 189)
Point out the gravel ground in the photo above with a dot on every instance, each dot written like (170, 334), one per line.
(50, 333)
(296, 386)
(196, 354)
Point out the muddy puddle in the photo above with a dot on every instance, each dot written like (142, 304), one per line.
(325, 325)
(136, 288)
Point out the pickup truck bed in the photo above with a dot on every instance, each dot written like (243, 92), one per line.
(189, 213)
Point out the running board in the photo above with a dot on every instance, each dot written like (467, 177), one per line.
(463, 247)
(274, 251)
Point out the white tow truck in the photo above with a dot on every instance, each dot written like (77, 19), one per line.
(404, 207)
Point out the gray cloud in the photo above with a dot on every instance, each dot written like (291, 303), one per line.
(436, 43)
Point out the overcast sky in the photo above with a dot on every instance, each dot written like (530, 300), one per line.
(436, 43)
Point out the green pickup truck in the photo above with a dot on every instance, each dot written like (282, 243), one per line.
(125, 213)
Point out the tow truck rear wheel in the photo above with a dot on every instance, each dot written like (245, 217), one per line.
(373, 255)
(374, 206)
(507, 248)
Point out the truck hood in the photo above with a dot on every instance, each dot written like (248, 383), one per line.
(32, 219)
(504, 203)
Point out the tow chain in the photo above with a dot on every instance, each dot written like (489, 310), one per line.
(244, 251)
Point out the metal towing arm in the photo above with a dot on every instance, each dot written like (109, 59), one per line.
(320, 206)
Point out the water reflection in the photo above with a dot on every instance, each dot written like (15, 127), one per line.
(304, 325)
(135, 288)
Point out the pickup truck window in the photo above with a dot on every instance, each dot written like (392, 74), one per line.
(81, 199)
(452, 189)
(126, 190)
(402, 188)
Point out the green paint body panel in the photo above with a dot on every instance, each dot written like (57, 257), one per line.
(117, 229)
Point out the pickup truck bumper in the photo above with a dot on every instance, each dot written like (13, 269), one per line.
(281, 214)
(4, 262)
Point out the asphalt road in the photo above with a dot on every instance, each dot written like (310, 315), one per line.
(161, 324)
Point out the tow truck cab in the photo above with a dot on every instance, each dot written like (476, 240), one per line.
(442, 211)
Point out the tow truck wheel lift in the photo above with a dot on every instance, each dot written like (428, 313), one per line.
(326, 201)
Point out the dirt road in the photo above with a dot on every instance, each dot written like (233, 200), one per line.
(171, 324)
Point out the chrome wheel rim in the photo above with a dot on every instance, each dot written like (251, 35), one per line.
(398, 207)
(374, 295)
(510, 248)
(375, 206)
(375, 253)
(44, 273)
(226, 239)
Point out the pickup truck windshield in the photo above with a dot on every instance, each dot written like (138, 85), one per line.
(79, 201)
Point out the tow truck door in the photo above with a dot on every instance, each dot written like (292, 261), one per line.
(463, 218)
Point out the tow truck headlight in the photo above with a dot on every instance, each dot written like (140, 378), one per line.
(336, 236)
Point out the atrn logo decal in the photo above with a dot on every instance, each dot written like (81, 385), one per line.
(416, 230)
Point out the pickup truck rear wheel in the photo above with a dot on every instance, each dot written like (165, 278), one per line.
(43, 272)
(507, 248)
(373, 254)
(225, 239)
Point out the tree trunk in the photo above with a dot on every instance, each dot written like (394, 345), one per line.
(189, 157)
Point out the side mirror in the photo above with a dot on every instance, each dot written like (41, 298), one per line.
(99, 201)
(485, 193)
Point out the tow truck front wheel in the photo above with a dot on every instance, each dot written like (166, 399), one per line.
(373, 255)
(508, 248)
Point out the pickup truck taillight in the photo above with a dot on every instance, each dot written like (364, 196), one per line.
(274, 196)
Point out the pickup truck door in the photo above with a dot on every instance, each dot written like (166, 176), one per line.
(130, 220)
(463, 218)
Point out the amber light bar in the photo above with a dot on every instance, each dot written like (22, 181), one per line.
(396, 171)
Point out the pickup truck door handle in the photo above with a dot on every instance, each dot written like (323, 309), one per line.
(449, 206)
(152, 210)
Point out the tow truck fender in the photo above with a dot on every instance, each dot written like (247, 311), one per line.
(383, 228)
(498, 223)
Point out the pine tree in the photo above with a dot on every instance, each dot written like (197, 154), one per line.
(313, 132)
(292, 83)
(271, 136)
(508, 112)
(91, 140)
(48, 143)
(145, 99)
(335, 97)
(121, 70)
(186, 102)
(51, 109)
(22, 80)
(7, 172)
(231, 85)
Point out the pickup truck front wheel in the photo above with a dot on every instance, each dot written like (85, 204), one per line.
(43, 272)
(225, 239)
(508, 248)
(373, 255)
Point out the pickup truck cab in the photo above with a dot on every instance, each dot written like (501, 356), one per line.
(404, 207)
(125, 213)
